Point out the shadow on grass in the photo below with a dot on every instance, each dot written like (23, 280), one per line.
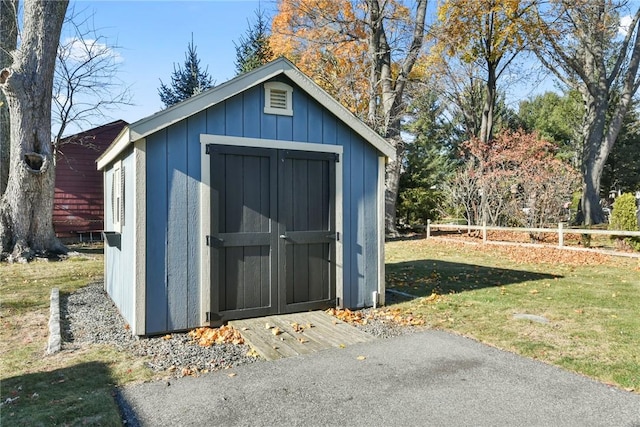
(77, 395)
(424, 277)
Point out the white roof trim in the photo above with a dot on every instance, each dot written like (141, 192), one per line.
(217, 94)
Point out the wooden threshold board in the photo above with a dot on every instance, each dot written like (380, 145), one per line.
(319, 331)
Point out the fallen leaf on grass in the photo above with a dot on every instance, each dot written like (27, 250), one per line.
(361, 357)
(232, 374)
(167, 337)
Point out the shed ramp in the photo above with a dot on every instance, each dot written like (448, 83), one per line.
(286, 335)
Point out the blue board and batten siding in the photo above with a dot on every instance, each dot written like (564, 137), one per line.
(173, 200)
(119, 260)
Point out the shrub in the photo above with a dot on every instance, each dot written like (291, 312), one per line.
(624, 217)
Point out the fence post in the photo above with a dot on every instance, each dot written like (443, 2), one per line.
(560, 235)
(484, 231)
(428, 228)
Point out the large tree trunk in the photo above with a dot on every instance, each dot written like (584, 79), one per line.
(8, 43)
(26, 207)
(391, 96)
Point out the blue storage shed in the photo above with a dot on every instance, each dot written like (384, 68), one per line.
(262, 195)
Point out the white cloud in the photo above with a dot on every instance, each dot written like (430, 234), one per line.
(625, 23)
(80, 50)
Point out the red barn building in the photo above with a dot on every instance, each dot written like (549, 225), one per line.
(78, 204)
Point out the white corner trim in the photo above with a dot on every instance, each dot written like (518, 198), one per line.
(140, 237)
(205, 230)
(381, 242)
(339, 226)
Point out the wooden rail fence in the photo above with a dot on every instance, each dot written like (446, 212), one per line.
(561, 231)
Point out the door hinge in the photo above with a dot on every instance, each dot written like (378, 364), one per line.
(335, 236)
(214, 242)
(208, 239)
(207, 149)
(337, 157)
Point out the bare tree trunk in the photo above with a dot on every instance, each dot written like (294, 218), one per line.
(8, 43)
(391, 95)
(26, 208)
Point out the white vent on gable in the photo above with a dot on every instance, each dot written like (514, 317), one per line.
(278, 98)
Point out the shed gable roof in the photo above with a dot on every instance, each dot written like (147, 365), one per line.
(224, 91)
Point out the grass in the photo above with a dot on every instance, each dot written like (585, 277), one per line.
(73, 387)
(590, 301)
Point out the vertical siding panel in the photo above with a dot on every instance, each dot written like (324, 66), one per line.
(370, 250)
(314, 122)
(233, 119)
(196, 125)
(156, 263)
(284, 128)
(356, 171)
(329, 124)
(300, 115)
(269, 126)
(177, 225)
(252, 110)
(344, 139)
(127, 278)
(216, 119)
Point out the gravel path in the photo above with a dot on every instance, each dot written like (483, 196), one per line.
(89, 316)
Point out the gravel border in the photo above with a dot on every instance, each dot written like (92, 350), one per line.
(88, 316)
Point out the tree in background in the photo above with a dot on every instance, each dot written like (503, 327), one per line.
(621, 173)
(85, 84)
(363, 53)
(523, 182)
(26, 207)
(185, 82)
(428, 162)
(253, 49)
(489, 34)
(556, 118)
(8, 43)
(585, 45)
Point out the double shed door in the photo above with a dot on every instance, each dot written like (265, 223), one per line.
(273, 231)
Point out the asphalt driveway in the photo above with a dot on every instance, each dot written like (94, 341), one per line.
(430, 378)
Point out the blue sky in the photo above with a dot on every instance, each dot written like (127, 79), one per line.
(153, 36)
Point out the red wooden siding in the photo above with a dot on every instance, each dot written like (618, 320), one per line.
(78, 201)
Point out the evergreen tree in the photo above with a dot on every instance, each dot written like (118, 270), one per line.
(185, 82)
(253, 49)
(428, 161)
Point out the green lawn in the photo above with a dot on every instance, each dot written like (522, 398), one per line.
(68, 388)
(591, 302)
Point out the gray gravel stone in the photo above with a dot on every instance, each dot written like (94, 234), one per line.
(89, 316)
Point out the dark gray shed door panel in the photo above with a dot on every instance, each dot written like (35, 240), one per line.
(273, 231)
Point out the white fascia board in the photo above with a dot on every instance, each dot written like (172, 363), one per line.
(199, 103)
(213, 96)
(118, 145)
(341, 112)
